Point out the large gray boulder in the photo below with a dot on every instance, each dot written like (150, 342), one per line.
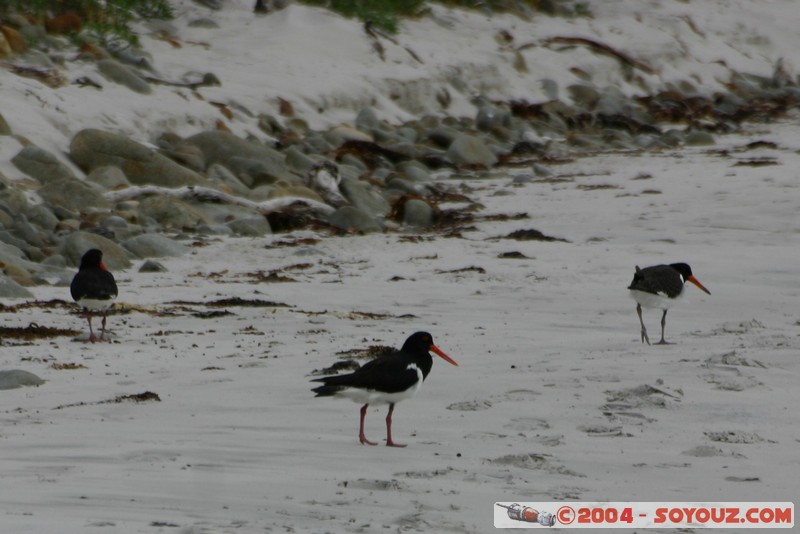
(9, 289)
(154, 246)
(16, 378)
(40, 164)
(350, 218)
(365, 197)
(76, 245)
(116, 72)
(92, 148)
(469, 150)
(72, 194)
(242, 156)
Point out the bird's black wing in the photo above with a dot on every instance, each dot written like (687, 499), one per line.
(658, 279)
(390, 374)
(96, 284)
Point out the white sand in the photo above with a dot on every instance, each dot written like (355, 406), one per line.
(555, 398)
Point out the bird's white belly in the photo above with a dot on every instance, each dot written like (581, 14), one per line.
(649, 300)
(96, 304)
(371, 396)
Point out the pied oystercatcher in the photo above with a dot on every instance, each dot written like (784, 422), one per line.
(94, 289)
(387, 379)
(659, 287)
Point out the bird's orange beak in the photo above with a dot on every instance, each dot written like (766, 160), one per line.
(696, 282)
(103, 266)
(444, 356)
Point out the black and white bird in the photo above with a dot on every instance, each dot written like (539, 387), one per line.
(387, 379)
(94, 289)
(659, 287)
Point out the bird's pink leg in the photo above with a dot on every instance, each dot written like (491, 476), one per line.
(389, 442)
(92, 337)
(644, 330)
(103, 329)
(663, 325)
(361, 437)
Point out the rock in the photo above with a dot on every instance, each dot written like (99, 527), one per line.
(350, 218)
(15, 39)
(204, 22)
(43, 217)
(364, 197)
(415, 171)
(220, 147)
(324, 178)
(673, 137)
(294, 191)
(34, 33)
(367, 121)
(214, 229)
(41, 165)
(116, 72)
(584, 96)
(72, 194)
(56, 261)
(18, 274)
(699, 138)
(5, 48)
(173, 213)
(16, 378)
(5, 129)
(9, 289)
(151, 266)
(406, 186)
(251, 227)
(256, 172)
(549, 88)
(469, 150)
(443, 136)
(343, 133)
(187, 155)
(491, 118)
(17, 245)
(12, 200)
(297, 161)
(154, 246)
(92, 148)
(542, 171)
(77, 243)
(224, 180)
(28, 232)
(417, 213)
(109, 178)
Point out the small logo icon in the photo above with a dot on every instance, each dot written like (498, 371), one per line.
(565, 515)
(527, 514)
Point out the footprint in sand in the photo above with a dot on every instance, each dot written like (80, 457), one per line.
(734, 436)
(535, 461)
(710, 451)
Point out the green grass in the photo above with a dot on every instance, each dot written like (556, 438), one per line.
(387, 14)
(105, 21)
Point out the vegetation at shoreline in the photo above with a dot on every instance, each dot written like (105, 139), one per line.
(386, 14)
(106, 21)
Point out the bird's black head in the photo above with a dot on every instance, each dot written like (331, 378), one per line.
(418, 342)
(422, 343)
(682, 268)
(686, 273)
(92, 259)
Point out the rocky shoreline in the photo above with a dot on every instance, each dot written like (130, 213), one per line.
(137, 201)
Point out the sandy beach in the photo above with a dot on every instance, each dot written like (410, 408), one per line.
(198, 416)
(556, 398)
